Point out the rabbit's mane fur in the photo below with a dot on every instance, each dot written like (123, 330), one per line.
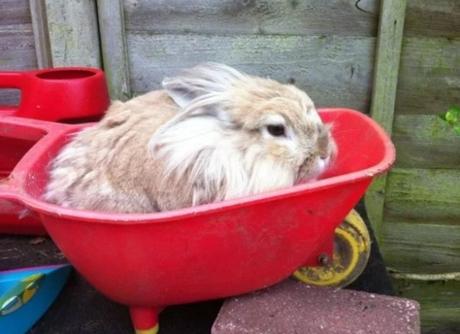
(204, 149)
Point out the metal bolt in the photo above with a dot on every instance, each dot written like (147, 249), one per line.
(324, 259)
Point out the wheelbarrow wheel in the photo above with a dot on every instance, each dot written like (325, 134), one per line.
(352, 247)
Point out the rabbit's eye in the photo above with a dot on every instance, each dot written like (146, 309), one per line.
(276, 130)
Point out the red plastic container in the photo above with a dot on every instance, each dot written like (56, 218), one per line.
(65, 95)
(149, 261)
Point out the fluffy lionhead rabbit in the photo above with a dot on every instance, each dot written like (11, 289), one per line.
(211, 134)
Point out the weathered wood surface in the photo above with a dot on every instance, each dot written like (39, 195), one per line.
(439, 301)
(421, 233)
(387, 62)
(425, 18)
(326, 48)
(425, 141)
(17, 49)
(113, 48)
(424, 196)
(391, 24)
(73, 32)
(429, 79)
(14, 13)
(421, 230)
(41, 33)
(334, 71)
(428, 18)
(293, 17)
(411, 247)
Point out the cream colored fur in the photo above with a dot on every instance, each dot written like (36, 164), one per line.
(204, 138)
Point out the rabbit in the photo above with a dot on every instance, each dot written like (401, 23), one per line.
(211, 134)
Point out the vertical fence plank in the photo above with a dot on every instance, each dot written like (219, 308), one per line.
(386, 71)
(41, 35)
(113, 45)
(73, 32)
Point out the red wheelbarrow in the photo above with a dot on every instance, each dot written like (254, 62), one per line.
(150, 261)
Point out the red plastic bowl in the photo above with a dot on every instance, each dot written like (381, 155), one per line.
(66, 94)
(149, 261)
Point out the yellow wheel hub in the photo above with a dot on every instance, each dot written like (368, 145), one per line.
(153, 330)
(352, 247)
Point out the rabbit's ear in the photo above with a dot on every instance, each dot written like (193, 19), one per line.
(201, 80)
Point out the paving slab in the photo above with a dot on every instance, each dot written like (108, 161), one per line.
(292, 307)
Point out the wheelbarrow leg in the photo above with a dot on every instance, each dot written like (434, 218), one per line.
(145, 319)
